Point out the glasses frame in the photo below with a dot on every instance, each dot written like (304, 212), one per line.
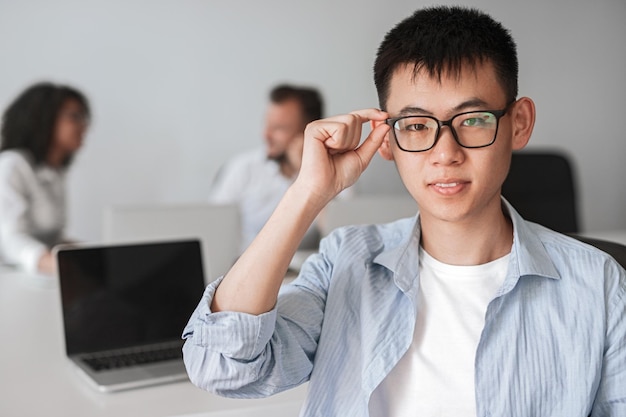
(78, 117)
(497, 113)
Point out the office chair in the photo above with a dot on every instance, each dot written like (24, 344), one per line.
(541, 186)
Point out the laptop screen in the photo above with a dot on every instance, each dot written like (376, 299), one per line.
(119, 296)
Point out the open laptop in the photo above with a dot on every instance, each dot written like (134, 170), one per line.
(124, 308)
(217, 227)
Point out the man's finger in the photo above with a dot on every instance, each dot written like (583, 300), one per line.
(366, 115)
(343, 132)
(370, 145)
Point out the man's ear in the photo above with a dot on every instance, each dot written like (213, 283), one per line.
(523, 122)
(385, 147)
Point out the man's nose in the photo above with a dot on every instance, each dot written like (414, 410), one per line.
(446, 150)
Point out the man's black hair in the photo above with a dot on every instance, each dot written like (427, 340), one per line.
(442, 40)
(309, 98)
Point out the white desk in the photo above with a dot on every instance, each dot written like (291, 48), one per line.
(36, 378)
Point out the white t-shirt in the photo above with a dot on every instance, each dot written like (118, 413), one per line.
(436, 375)
(32, 209)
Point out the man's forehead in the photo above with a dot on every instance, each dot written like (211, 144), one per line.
(411, 79)
(287, 112)
(286, 107)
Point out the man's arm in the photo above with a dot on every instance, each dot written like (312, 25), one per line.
(332, 161)
(611, 396)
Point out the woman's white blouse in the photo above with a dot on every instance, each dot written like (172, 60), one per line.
(32, 209)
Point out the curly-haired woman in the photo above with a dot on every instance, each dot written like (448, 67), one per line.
(41, 131)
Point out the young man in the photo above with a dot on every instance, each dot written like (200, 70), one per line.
(256, 180)
(464, 310)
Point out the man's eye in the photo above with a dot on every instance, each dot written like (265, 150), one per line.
(415, 127)
(474, 121)
(479, 120)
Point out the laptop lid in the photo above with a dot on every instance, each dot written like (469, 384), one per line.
(116, 297)
(216, 225)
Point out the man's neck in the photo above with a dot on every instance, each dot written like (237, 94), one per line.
(289, 168)
(470, 243)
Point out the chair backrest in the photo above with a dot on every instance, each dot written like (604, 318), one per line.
(542, 188)
(616, 250)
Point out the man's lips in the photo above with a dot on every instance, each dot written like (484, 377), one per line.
(446, 184)
(448, 187)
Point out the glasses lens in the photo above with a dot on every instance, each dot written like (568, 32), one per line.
(76, 117)
(475, 129)
(416, 133)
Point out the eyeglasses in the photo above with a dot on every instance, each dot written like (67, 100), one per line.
(473, 129)
(77, 117)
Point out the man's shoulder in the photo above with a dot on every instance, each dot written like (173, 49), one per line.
(566, 244)
(253, 157)
(579, 257)
(241, 174)
(372, 237)
(249, 164)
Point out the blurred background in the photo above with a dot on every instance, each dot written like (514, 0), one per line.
(177, 87)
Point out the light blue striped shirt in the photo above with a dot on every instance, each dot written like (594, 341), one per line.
(554, 341)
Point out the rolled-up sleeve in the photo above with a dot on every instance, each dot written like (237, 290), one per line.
(241, 355)
(222, 349)
(214, 331)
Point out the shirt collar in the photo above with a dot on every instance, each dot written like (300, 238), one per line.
(528, 254)
(400, 254)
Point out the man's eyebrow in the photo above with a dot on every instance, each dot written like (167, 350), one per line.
(408, 111)
(472, 103)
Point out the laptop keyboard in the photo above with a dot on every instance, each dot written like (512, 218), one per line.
(134, 357)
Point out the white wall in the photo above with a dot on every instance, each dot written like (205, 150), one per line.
(179, 86)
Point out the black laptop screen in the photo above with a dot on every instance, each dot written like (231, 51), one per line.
(128, 295)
